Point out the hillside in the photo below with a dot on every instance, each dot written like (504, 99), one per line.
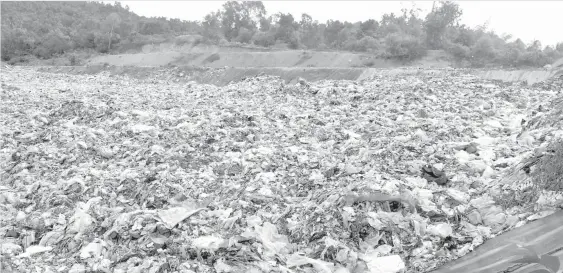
(79, 30)
(47, 29)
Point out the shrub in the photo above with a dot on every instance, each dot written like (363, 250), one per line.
(265, 39)
(352, 45)
(244, 35)
(533, 58)
(55, 44)
(294, 41)
(366, 44)
(403, 47)
(459, 51)
(42, 52)
(72, 60)
(483, 49)
(369, 44)
(187, 39)
(19, 60)
(509, 55)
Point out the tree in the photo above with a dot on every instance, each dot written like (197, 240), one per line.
(154, 26)
(255, 12)
(244, 35)
(483, 50)
(389, 24)
(265, 39)
(59, 26)
(332, 30)
(265, 23)
(368, 44)
(347, 38)
(287, 27)
(55, 27)
(212, 26)
(520, 45)
(535, 46)
(368, 28)
(112, 20)
(438, 20)
(236, 15)
(404, 47)
(311, 34)
(306, 21)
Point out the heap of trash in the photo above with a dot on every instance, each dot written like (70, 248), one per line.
(397, 173)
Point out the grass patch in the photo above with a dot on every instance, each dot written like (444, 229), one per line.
(548, 173)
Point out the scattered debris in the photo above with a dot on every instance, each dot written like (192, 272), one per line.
(400, 172)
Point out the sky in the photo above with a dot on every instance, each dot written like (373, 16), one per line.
(527, 20)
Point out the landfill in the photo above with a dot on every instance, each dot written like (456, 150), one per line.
(393, 173)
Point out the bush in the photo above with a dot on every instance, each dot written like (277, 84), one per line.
(56, 44)
(369, 44)
(353, 45)
(366, 44)
(403, 47)
(42, 52)
(265, 39)
(551, 54)
(294, 41)
(244, 36)
(76, 58)
(533, 58)
(483, 49)
(187, 39)
(20, 60)
(509, 55)
(459, 51)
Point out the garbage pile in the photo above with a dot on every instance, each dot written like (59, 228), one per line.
(392, 174)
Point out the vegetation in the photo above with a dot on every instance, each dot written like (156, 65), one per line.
(549, 172)
(47, 29)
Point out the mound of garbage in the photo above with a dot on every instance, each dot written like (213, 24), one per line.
(394, 173)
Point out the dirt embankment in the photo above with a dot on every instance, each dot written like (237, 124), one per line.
(221, 58)
(224, 76)
(220, 66)
(527, 76)
(215, 76)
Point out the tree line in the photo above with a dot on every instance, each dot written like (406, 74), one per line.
(46, 29)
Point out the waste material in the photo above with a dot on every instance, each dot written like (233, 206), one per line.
(395, 173)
